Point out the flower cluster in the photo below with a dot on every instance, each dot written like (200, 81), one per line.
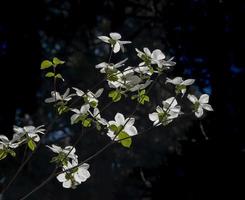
(26, 134)
(72, 174)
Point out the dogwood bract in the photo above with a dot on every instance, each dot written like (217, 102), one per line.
(56, 96)
(121, 125)
(114, 41)
(200, 104)
(74, 177)
(180, 84)
(167, 113)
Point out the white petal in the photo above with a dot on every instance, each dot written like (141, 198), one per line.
(175, 81)
(116, 47)
(188, 82)
(204, 98)
(119, 118)
(207, 107)
(49, 100)
(99, 92)
(75, 111)
(84, 109)
(147, 51)
(78, 92)
(157, 55)
(101, 65)
(159, 109)
(192, 98)
(131, 131)
(61, 177)
(199, 112)
(129, 122)
(67, 184)
(104, 39)
(74, 118)
(125, 42)
(115, 36)
(153, 116)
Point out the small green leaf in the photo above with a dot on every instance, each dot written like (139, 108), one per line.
(46, 64)
(125, 142)
(93, 104)
(143, 98)
(11, 152)
(60, 77)
(3, 154)
(115, 95)
(49, 74)
(31, 144)
(113, 128)
(87, 122)
(57, 61)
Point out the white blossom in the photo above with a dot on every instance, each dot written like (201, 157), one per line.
(180, 84)
(114, 41)
(200, 104)
(105, 67)
(124, 125)
(167, 113)
(56, 96)
(90, 97)
(156, 57)
(74, 177)
(78, 113)
(23, 133)
(97, 116)
(6, 143)
(68, 151)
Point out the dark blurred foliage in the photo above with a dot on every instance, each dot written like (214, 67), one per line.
(206, 37)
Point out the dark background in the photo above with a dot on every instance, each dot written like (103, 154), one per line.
(206, 37)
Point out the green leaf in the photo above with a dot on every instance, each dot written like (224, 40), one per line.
(3, 154)
(57, 61)
(49, 74)
(31, 144)
(113, 128)
(143, 98)
(46, 64)
(115, 95)
(60, 77)
(11, 152)
(93, 104)
(87, 122)
(125, 142)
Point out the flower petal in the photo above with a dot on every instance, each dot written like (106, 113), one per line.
(199, 112)
(207, 107)
(104, 39)
(115, 36)
(119, 118)
(116, 47)
(192, 98)
(153, 116)
(204, 98)
(188, 82)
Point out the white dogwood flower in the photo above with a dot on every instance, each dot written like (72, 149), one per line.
(96, 115)
(79, 113)
(90, 97)
(180, 84)
(200, 104)
(167, 113)
(74, 177)
(156, 57)
(56, 96)
(114, 41)
(22, 133)
(6, 143)
(68, 151)
(110, 67)
(121, 125)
